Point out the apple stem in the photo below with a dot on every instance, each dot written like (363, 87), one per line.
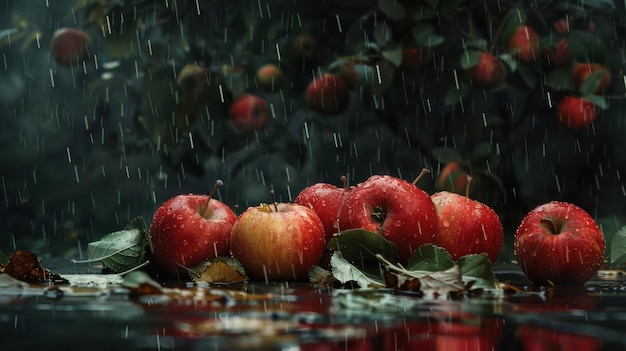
(274, 200)
(344, 181)
(467, 186)
(551, 225)
(419, 176)
(205, 206)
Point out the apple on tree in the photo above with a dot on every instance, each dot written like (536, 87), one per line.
(69, 46)
(524, 43)
(328, 95)
(467, 226)
(559, 242)
(326, 200)
(582, 71)
(278, 241)
(394, 208)
(189, 229)
(249, 112)
(575, 112)
(488, 73)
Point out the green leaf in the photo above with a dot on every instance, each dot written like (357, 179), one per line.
(454, 96)
(446, 155)
(513, 19)
(392, 8)
(470, 58)
(618, 246)
(529, 76)
(360, 246)
(586, 47)
(122, 250)
(597, 100)
(394, 56)
(382, 34)
(430, 258)
(345, 271)
(560, 79)
(449, 8)
(591, 83)
(477, 268)
(510, 61)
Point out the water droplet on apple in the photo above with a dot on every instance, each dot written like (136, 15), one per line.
(446, 223)
(397, 223)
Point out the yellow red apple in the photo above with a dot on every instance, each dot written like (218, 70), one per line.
(279, 241)
(249, 112)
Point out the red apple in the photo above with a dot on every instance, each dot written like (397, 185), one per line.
(70, 46)
(535, 338)
(576, 112)
(414, 59)
(326, 200)
(524, 43)
(559, 242)
(394, 208)
(279, 241)
(467, 226)
(468, 332)
(582, 71)
(189, 229)
(453, 177)
(328, 95)
(249, 112)
(269, 76)
(488, 73)
(560, 55)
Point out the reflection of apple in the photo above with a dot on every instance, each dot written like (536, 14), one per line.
(279, 241)
(535, 338)
(524, 43)
(396, 209)
(189, 229)
(326, 200)
(575, 112)
(411, 335)
(70, 46)
(488, 73)
(559, 242)
(467, 226)
(468, 332)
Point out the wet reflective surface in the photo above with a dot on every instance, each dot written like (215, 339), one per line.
(287, 316)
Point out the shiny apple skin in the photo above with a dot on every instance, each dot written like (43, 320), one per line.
(410, 217)
(571, 254)
(278, 244)
(180, 235)
(467, 226)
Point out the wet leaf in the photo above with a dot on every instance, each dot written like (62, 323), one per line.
(392, 8)
(346, 272)
(446, 155)
(122, 250)
(560, 79)
(433, 284)
(25, 266)
(430, 258)
(360, 247)
(477, 269)
(586, 47)
(591, 83)
(618, 247)
(513, 19)
(597, 100)
(321, 276)
(528, 75)
(470, 58)
(394, 56)
(220, 270)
